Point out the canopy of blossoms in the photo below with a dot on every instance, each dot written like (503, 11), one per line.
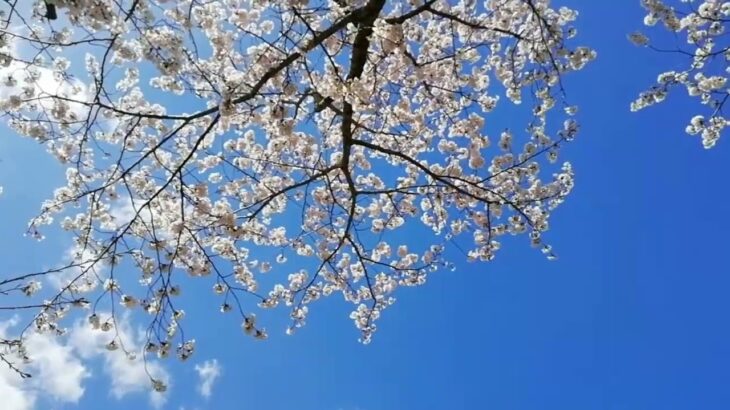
(278, 152)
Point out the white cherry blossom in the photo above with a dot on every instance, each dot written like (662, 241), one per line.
(702, 24)
(304, 136)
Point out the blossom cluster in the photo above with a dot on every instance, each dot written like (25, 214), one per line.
(703, 25)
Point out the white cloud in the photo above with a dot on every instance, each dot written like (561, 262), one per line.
(45, 84)
(60, 373)
(208, 372)
(45, 88)
(14, 392)
(86, 274)
(124, 210)
(127, 375)
(57, 372)
(59, 368)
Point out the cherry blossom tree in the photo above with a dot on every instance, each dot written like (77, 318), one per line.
(278, 152)
(702, 24)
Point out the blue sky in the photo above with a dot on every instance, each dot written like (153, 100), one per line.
(633, 314)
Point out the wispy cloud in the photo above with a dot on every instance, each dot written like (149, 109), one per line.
(208, 372)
